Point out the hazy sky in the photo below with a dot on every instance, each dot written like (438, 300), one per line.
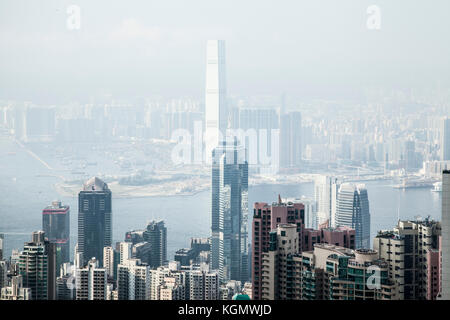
(313, 48)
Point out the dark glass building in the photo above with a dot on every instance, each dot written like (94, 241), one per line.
(94, 220)
(156, 235)
(56, 226)
(229, 211)
(150, 244)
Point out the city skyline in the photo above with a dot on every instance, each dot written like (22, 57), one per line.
(222, 151)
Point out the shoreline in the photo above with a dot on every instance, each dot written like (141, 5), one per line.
(166, 190)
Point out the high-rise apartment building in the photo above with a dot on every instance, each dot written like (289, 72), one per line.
(352, 210)
(203, 285)
(161, 283)
(229, 212)
(16, 291)
(195, 282)
(124, 252)
(37, 266)
(94, 219)
(216, 111)
(445, 265)
(310, 208)
(265, 219)
(157, 277)
(340, 236)
(109, 261)
(142, 251)
(133, 280)
(330, 272)
(171, 289)
(405, 248)
(434, 272)
(290, 275)
(56, 226)
(91, 282)
(3, 273)
(275, 273)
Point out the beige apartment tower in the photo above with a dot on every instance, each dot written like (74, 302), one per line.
(406, 248)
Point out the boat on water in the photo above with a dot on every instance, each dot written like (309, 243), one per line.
(437, 187)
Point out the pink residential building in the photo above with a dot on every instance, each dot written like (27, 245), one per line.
(268, 217)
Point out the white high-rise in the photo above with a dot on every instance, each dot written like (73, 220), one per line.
(125, 251)
(325, 195)
(203, 285)
(108, 260)
(216, 112)
(352, 210)
(445, 224)
(133, 280)
(91, 282)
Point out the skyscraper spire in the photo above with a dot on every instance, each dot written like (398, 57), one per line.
(216, 113)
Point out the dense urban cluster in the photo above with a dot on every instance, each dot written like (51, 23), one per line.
(288, 261)
(292, 249)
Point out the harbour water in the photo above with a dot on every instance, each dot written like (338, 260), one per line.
(26, 187)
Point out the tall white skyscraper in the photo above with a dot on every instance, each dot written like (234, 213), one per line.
(352, 210)
(445, 225)
(325, 195)
(216, 112)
